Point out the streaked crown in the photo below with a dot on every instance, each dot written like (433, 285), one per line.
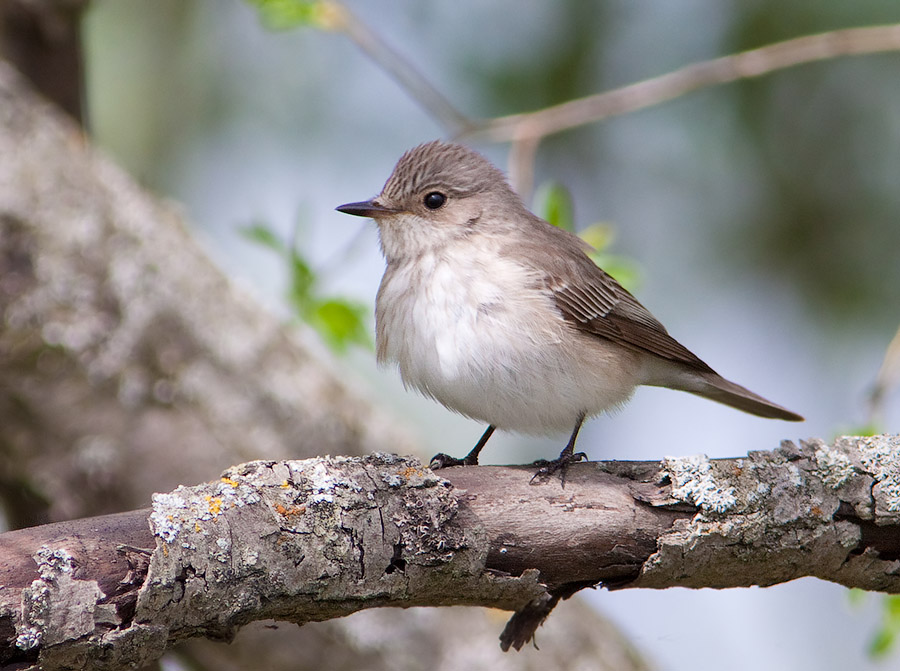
(451, 168)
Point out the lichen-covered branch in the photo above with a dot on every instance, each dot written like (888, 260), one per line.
(304, 541)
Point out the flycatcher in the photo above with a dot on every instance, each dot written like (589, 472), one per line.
(504, 318)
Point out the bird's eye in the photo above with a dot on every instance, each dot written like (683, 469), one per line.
(434, 200)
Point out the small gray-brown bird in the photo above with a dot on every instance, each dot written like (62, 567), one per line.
(504, 318)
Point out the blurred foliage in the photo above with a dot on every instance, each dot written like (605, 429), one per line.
(819, 135)
(288, 14)
(549, 67)
(884, 640)
(553, 202)
(339, 322)
(867, 429)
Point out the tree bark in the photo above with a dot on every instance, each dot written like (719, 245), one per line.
(304, 541)
(129, 364)
(42, 38)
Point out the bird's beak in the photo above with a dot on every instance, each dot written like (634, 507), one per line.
(365, 208)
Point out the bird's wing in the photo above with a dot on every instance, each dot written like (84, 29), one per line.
(595, 304)
(598, 305)
(590, 299)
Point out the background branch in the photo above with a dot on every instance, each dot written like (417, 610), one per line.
(525, 130)
(317, 539)
(744, 65)
(400, 69)
(885, 381)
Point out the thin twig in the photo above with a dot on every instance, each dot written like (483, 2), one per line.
(526, 130)
(522, 153)
(847, 42)
(888, 378)
(410, 79)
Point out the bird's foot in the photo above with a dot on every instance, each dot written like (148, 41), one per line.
(558, 465)
(442, 460)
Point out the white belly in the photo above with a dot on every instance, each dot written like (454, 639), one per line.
(489, 348)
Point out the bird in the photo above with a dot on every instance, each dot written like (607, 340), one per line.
(504, 318)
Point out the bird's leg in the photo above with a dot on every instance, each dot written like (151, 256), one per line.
(566, 457)
(442, 460)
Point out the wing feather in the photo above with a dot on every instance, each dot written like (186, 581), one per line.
(590, 299)
(600, 306)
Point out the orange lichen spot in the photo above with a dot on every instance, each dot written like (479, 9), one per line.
(289, 511)
(229, 481)
(815, 510)
(165, 550)
(409, 471)
(197, 527)
(285, 484)
(215, 504)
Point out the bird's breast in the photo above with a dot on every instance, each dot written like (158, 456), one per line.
(482, 337)
(448, 315)
(480, 334)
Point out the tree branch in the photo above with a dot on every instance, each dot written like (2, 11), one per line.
(400, 69)
(526, 130)
(753, 63)
(886, 380)
(305, 541)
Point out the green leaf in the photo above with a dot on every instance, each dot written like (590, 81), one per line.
(300, 289)
(599, 235)
(892, 608)
(341, 323)
(885, 638)
(623, 270)
(856, 596)
(263, 235)
(867, 429)
(555, 205)
(882, 642)
(870, 429)
(288, 14)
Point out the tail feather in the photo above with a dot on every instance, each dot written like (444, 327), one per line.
(717, 388)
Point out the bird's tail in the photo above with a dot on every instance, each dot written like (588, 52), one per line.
(717, 388)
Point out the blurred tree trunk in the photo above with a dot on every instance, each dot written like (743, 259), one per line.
(42, 38)
(129, 364)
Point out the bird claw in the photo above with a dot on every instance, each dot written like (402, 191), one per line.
(441, 460)
(560, 465)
